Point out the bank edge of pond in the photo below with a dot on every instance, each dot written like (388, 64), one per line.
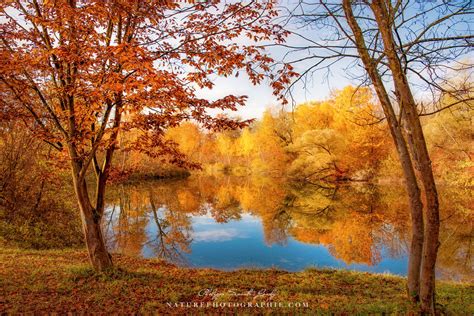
(62, 281)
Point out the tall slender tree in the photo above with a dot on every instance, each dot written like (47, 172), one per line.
(400, 46)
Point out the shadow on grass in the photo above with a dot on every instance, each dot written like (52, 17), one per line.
(86, 273)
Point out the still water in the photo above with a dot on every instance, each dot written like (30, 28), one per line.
(229, 222)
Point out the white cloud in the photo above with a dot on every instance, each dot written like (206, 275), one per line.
(217, 235)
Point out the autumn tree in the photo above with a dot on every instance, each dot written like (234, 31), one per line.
(400, 45)
(188, 137)
(269, 157)
(318, 141)
(331, 141)
(449, 135)
(73, 69)
(226, 145)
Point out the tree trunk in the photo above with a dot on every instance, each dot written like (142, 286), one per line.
(431, 242)
(91, 226)
(411, 184)
(416, 214)
(91, 216)
(420, 154)
(98, 255)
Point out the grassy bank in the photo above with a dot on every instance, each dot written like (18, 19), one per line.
(61, 281)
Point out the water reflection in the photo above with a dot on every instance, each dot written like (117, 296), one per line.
(230, 222)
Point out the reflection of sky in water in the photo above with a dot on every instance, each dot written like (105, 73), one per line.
(241, 243)
(373, 228)
(217, 235)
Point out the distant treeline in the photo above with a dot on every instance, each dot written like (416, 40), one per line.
(343, 138)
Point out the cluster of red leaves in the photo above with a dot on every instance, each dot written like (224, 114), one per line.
(79, 72)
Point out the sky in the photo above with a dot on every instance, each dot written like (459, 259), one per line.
(260, 97)
(319, 87)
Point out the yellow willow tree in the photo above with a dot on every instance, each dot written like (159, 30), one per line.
(72, 70)
(399, 46)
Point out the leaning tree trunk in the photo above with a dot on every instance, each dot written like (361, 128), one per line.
(411, 184)
(420, 154)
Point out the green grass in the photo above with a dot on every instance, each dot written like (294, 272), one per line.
(62, 281)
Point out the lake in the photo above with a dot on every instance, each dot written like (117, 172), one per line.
(248, 222)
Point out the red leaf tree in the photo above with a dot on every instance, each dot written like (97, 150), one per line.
(79, 72)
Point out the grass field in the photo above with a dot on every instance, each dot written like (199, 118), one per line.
(61, 281)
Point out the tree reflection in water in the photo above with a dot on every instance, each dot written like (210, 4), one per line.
(172, 235)
(355, 222)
